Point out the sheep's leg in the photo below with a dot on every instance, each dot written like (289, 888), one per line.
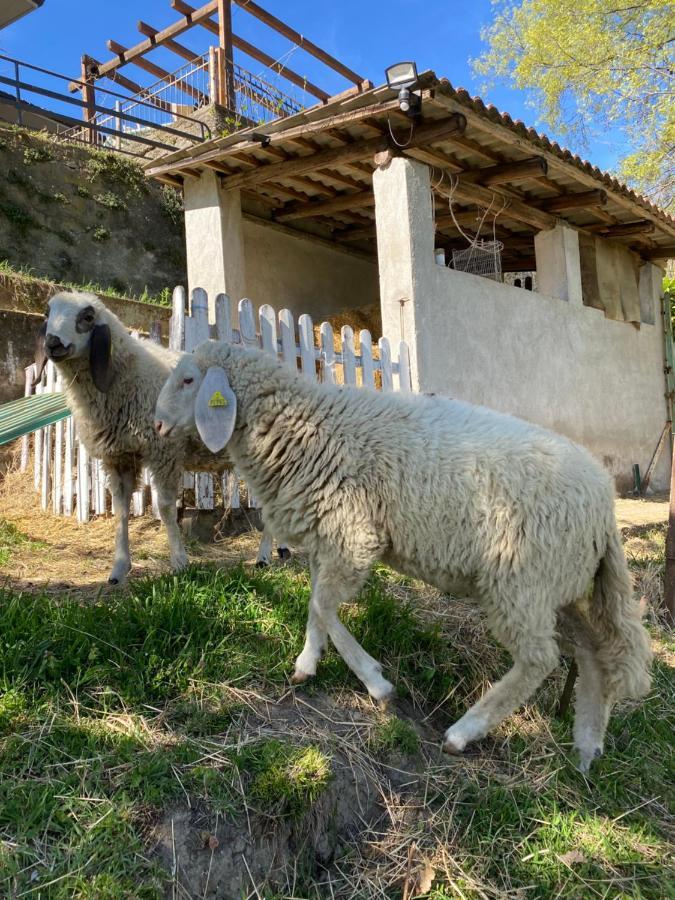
(166, 501)
(591, 707)
(535, 655)
(330, 587)
(121, 483)
(264, 557)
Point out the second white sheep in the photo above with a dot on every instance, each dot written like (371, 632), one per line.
(472, 501)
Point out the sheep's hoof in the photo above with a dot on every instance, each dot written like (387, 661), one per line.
(586, 757)
(453, 748)
(300, 677)
(382, 695)
(261, 564)
(283, 553)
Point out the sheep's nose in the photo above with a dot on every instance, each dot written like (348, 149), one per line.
(158, 426)
(52, 342)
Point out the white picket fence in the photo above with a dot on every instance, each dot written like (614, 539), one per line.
(69, 481)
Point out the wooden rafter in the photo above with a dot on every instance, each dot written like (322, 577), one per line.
(300, 41)
(140, 49)
(341, 155)
(581, 200)
(179, 49)
(157, 71)
(256, 53)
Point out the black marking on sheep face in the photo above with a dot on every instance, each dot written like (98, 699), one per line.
(85, 320)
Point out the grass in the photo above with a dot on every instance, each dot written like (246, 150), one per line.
(116, 708)
(163, 298)
(11, 538)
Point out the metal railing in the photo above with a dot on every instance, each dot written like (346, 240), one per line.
(140, 126)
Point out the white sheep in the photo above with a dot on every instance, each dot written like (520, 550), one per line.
(470, 500)
(112, 382)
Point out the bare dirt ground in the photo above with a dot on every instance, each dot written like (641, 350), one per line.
(62, 555)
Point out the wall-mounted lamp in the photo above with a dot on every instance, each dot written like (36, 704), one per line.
(403, 77)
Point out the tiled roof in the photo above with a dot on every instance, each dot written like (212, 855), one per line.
(489, 111)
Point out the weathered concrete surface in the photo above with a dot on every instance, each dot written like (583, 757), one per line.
(73, 214)
(214, 240)
(405, 242)
(306, 275)
(556, 363)
(17, 342)
(229, 253)
(558, 264)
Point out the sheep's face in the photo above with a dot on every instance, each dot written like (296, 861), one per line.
(175, 409)
(194, 399)
(75, 329)
(71, 319)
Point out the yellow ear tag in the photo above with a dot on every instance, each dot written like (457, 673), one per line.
(217, 399)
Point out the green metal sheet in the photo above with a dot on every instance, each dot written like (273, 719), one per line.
(30, 413)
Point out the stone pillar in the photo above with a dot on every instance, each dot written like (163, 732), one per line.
(558, 264)
(650, 287)
(405, 252)
(214, 238)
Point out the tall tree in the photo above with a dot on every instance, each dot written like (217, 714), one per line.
(591, 64)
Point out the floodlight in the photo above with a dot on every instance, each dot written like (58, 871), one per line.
(402, 77)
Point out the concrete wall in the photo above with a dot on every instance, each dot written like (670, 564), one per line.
(550, 360)
(567, 367)
(305, 275)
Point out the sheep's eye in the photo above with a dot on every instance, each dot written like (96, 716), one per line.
(188, 380)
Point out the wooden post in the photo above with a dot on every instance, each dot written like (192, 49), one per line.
(88, 96)
(226, 56)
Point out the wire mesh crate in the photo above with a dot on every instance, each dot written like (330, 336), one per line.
(481, 258)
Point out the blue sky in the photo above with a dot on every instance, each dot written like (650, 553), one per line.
(438, 34)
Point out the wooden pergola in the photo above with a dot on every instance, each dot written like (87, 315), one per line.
(313, 172)
(214, 18)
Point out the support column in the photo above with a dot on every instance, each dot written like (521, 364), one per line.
(405, 252)
(214, 237)
(558, 264)
(650, 287)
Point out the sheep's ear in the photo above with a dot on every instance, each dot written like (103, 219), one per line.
(215, 409)
(40, 352)
(100, 356)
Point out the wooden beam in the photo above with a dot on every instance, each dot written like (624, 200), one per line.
(666, 252)
(88, 96)
(629, 229)
(225, 58)
(256, 53)
(299, 40)
(279, 133)
(174, 46)
(171, 31)
(442, 97)
(582, 200)
(434, 158)
(514, 209)
(326, 207)
(157, 71)
(511, 172)
(341, 155)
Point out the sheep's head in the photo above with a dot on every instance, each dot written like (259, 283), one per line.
(195, 397)
(75, 328)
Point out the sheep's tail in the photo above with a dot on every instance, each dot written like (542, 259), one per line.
(623, 645)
